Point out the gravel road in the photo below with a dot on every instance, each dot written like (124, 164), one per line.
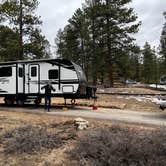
(145, 118)
(127, 116)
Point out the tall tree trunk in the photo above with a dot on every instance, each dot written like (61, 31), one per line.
(83, 53)
(87, 71)
(110, 63)
(137, 71)
(21, 52)
(94, 73)
(102, 78)
(84, 60)
(111, 79)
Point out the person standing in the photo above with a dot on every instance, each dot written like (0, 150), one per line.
(48, 88)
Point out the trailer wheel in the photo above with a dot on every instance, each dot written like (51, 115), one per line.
(162, 107)
(20, 102)
(9, 101)
(37, 101)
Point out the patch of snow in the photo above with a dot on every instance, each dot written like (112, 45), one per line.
(125, 92)
(156, 100)
(147, 99)
(101, 90)
(120, 97)
(158, 86)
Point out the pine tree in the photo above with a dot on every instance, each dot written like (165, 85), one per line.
(8, 43)
(98, 38)
(156, 67)
(111, 22)
(20, 15)
(60, 43)
(37, 47)
(135, 66)
(118, 25)
(80, 24)
(149, 64)
(72, 44)
(93, 11)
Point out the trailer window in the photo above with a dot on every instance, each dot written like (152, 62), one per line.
(5, 71)
(33, 71)
(20, 72)
(53, 74)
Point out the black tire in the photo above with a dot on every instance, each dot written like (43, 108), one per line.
(8, 101)
(37, 101)
(20, 102)
(73, 101)
(162, 107)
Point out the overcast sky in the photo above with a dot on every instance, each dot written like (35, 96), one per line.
(55, 14)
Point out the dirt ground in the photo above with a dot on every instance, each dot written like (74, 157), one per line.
(63, 127)
(135, 103)
(115, 101)
(56, 124)
(122, 101)
(132, 103)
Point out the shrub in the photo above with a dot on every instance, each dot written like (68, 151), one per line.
(121, 146)
(32, 139)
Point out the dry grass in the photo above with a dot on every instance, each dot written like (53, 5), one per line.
(117, 145)
(115, 101)
(41, 139)
(120, 102)
(20, 131)
(35, 138)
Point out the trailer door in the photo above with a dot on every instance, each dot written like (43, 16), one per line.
(20, 78)
(34, 79)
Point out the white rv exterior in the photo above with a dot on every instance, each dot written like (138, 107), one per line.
(22, 79)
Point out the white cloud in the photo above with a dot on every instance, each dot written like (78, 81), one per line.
(150, 12)
(55, 14)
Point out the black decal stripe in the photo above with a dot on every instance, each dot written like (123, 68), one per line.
(69, 82)
(56, 81)
(3, 91)
(71, 67)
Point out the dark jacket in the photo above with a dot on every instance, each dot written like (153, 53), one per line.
(48, 88)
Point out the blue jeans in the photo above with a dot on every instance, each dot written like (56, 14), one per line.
(47, 102)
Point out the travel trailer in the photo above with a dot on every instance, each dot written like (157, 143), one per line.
(21, 81)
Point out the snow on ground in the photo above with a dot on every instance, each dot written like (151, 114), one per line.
(155, 100)
(158, 86)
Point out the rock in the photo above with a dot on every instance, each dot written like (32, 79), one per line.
(81, 124)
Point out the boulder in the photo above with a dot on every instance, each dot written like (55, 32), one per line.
(81, 124)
